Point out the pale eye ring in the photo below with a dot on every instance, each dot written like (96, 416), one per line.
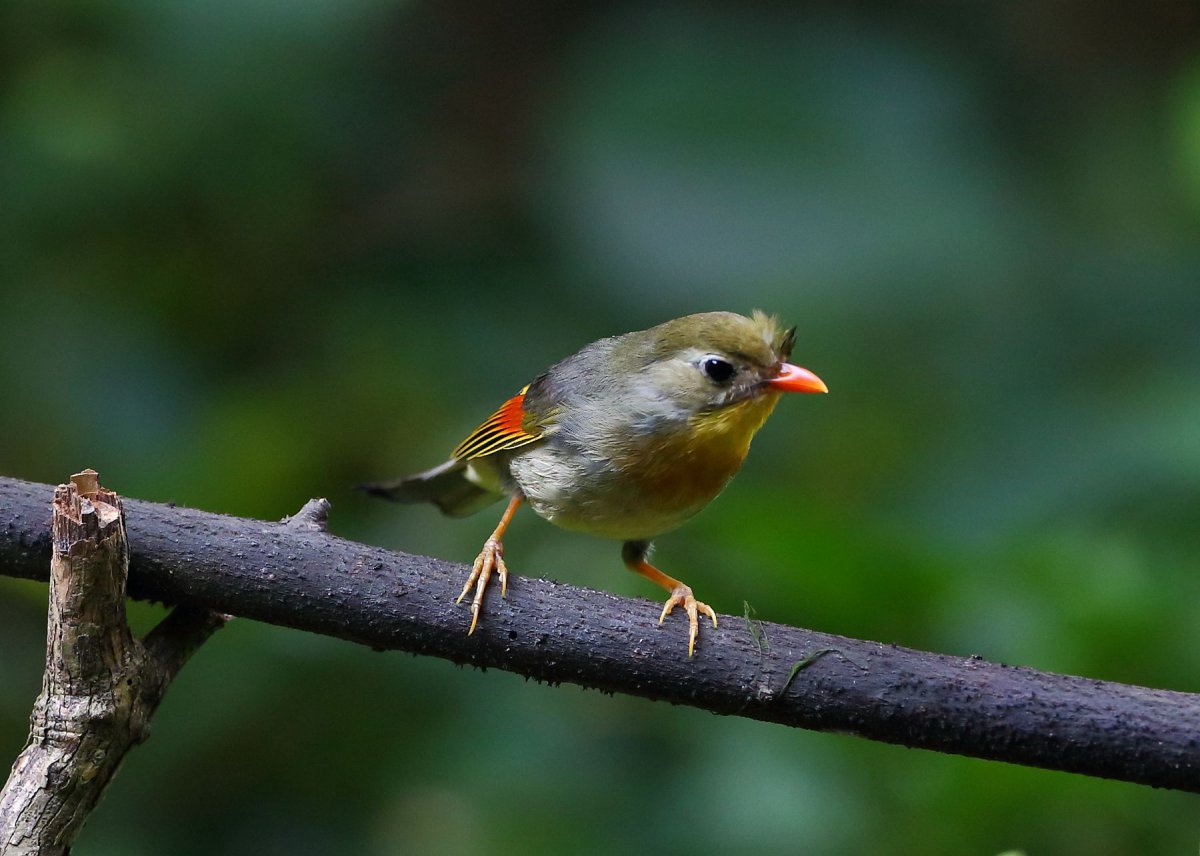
(718, 370)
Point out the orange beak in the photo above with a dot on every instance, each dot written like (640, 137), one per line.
(795, 379)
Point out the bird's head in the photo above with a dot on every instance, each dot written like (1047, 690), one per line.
(714, 360)
(712, 379)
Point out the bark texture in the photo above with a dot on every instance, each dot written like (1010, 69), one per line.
(101, 685)
(297, 575)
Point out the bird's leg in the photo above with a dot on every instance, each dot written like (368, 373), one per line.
(490, 558)
(633, 554)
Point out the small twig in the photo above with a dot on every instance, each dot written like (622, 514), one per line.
(174, 639)
(101, 686)
(313, 517)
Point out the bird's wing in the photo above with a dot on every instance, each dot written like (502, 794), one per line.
(510, 427)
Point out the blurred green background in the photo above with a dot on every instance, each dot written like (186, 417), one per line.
(253, 252)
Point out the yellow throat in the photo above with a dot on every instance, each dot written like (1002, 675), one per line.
(690, 466)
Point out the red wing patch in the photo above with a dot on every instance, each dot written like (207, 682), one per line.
(503, 430)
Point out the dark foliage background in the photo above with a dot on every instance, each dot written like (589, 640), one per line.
(256, 252)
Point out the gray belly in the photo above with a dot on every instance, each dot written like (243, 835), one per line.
(585, 494)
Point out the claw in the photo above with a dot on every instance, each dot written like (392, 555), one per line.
(681, 595)
(490, 558)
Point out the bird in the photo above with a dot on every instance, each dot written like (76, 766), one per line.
(626, 439)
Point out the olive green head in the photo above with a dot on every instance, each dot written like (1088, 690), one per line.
(709, 360)
(671, 378)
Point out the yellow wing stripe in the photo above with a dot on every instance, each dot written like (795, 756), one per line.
(502, 430)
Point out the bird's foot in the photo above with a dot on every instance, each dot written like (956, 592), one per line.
(490, 558)
(681, 595)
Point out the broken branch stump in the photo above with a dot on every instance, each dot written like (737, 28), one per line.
(101, 686)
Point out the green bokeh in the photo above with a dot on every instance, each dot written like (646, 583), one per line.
(256, 252)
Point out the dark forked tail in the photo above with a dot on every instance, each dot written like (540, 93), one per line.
(446, 486)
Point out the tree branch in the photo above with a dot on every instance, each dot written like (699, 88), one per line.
(100, 687)
(300, 576)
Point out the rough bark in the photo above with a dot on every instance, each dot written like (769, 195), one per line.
(100, 686)
(300, 576)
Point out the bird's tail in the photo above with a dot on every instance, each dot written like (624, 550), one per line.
(446, 486)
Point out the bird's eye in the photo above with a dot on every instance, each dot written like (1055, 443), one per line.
(718, 370)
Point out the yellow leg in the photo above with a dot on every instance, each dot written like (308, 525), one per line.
(634, 556)
(490, 558)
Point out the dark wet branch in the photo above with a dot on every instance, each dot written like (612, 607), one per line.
(300, 576)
